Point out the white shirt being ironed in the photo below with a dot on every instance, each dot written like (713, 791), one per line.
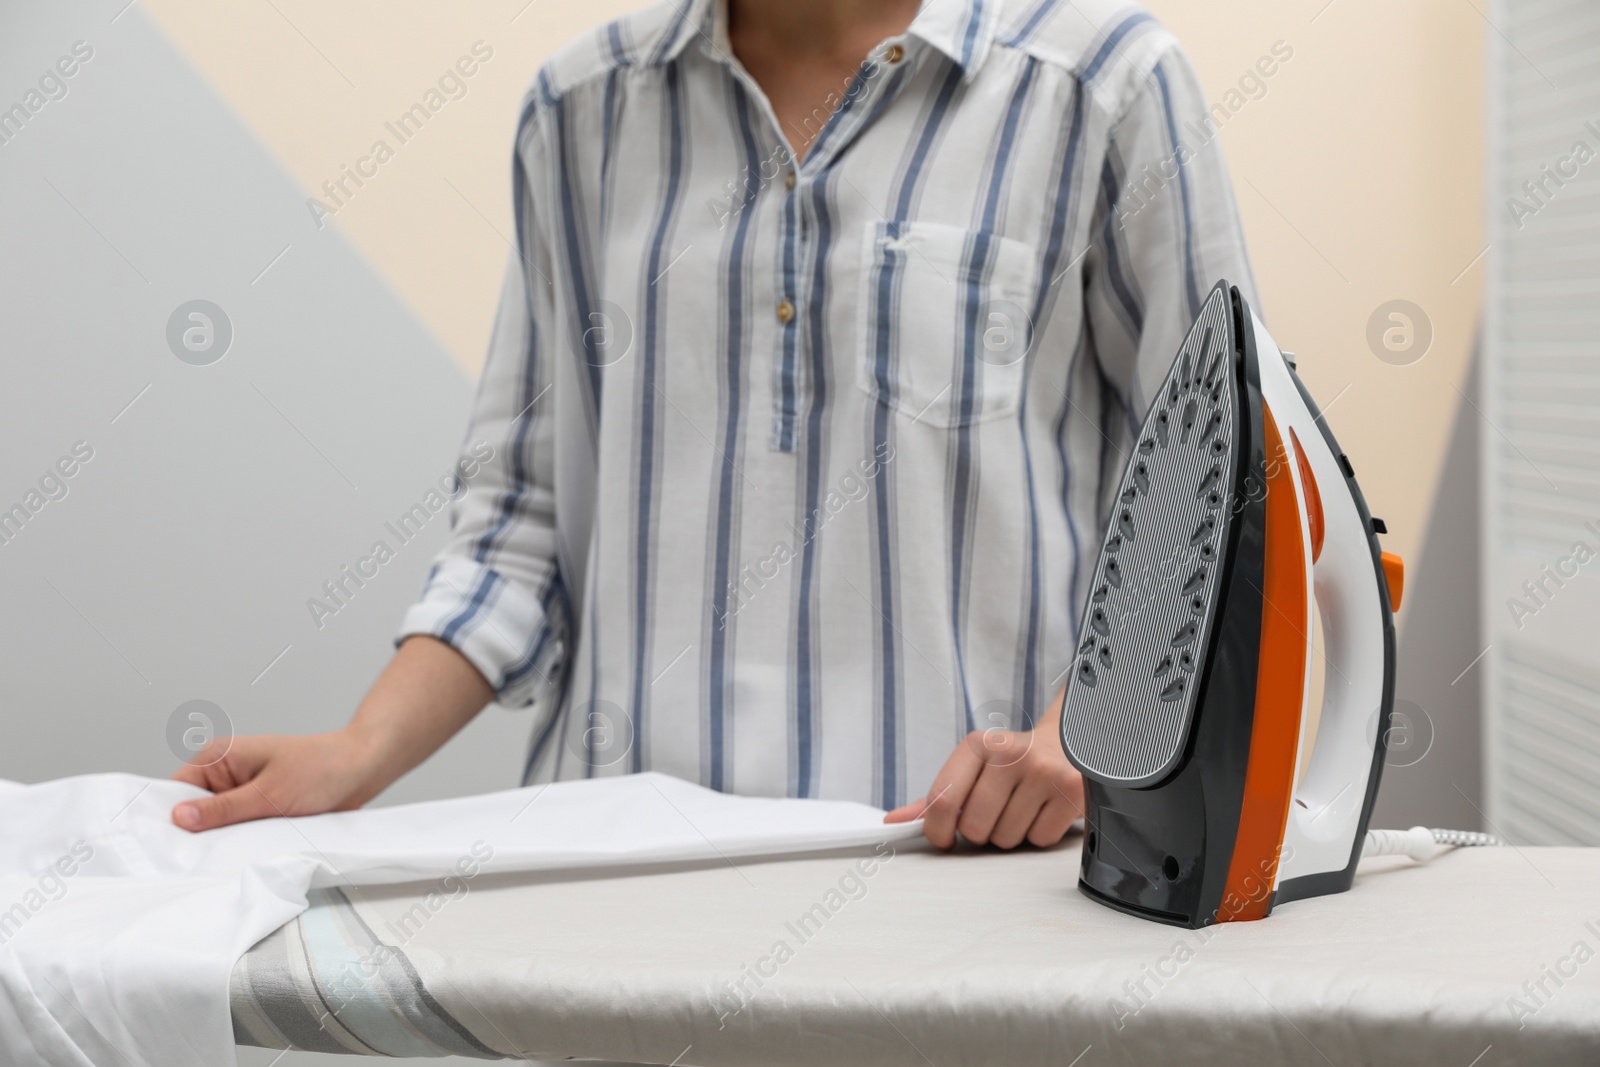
(118, 931)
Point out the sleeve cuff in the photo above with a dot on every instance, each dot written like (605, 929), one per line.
(501, 627)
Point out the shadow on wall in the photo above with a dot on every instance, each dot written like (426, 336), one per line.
(1434, 773)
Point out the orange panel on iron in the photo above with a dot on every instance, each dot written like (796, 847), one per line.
(1280, 690)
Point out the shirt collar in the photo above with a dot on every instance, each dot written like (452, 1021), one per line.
(963, 30)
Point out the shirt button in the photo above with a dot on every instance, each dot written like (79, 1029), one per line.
(788, 180)
(894, 53)
(785, 312)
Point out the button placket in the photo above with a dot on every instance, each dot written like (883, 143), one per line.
(793, 373)
(791, 250)
(795, 237)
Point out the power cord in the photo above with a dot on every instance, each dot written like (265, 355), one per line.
(1421, 843)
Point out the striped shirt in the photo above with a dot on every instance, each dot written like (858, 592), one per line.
(799, 471)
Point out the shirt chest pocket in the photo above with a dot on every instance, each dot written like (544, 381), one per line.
(944, 323)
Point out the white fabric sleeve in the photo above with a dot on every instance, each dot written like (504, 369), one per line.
(1166, 229)
(496, 593)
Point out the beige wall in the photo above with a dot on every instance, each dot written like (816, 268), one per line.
(318, 81)
(1358, 173)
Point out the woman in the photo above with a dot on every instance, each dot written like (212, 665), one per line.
(825, 331)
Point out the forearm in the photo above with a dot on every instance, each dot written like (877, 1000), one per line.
(425, 695)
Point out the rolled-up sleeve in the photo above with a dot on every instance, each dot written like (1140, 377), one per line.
(1166, 229)
(496, 592)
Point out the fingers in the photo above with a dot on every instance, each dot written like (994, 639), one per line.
(948, 794)
(204, 766)
(1031, 795)
(1009, 760)
(1063, 807)
(1054, 820)
(236, 805)
(907, 813)
(227, 767)
(990, 796)
(190, 774)
(1024, 791)
(1069, 789)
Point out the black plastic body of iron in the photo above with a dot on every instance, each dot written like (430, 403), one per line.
(1162, 850)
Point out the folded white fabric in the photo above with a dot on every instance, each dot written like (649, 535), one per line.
(118, 931)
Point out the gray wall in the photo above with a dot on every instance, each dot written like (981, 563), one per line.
(219, 497)
(1434, 775)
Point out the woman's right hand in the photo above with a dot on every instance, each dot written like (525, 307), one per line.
(272, 774)
(426, 693)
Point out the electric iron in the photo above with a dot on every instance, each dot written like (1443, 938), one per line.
(1214, 789)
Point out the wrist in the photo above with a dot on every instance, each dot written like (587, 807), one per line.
(367, 752)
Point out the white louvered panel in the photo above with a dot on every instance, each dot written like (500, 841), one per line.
(1550, 744)
(1541, 450)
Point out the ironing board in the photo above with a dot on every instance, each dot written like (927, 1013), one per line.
(934, 960)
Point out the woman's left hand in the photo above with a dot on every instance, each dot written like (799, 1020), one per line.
(1002, 787)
